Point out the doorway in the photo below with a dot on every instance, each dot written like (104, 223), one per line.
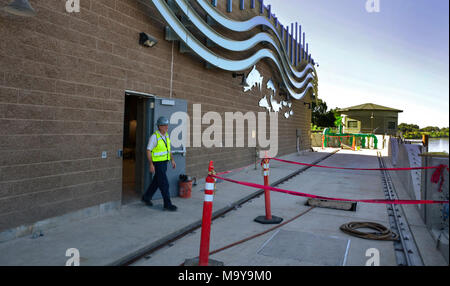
(140, 115)
(137, 123)
(129, 192)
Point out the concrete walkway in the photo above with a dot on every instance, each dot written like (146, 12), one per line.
(107, 240)
(313, 239)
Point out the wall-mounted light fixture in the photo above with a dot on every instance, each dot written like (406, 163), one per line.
(307, 103)
(244, 79)
(147, 40)
(20, 8)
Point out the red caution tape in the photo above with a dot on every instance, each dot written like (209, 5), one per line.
(370, 201)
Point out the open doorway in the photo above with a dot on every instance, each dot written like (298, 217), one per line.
(129, 191)
(138, 124)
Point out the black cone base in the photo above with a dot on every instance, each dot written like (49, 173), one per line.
(264, 220)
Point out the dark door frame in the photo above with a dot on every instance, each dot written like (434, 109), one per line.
(141, 135)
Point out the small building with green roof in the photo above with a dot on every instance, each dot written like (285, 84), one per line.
(370, 118)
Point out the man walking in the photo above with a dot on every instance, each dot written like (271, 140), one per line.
(158, 154)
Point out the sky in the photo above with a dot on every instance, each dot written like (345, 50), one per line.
(397, 57)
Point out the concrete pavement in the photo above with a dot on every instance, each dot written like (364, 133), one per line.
(312, 239)
(108, 240)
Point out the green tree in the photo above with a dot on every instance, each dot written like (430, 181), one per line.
(321, 116)
(413, 131)
(403, 127)
(430, 129)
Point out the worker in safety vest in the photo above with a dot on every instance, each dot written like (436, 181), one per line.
(158, 154)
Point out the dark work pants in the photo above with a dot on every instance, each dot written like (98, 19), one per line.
(159, 181)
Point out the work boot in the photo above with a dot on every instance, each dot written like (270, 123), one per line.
(171, 208)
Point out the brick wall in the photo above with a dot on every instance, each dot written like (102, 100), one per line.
(62, 84)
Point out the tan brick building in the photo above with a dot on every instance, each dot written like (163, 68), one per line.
(63, 84)
(370, 118)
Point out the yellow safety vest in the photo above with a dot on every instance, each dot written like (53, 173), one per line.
(162, 151)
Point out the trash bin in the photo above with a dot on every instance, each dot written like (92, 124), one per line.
(185, 186)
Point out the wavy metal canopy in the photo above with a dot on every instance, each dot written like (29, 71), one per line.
(297, 83)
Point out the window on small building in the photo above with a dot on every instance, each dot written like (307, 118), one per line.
(391, 125)
(352, 124)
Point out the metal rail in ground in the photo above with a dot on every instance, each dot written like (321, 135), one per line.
(406, 251)
(171, 238)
